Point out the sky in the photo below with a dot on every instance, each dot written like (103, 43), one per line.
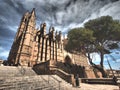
(62, 14)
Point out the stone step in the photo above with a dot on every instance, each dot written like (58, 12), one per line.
(10, 71)
(20, 83)
(33, 83)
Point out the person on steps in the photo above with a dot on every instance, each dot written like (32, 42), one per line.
(77, 80)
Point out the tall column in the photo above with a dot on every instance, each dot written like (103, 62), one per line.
(42, 49)
(46, 50)
(43, 31)
(40, 33)
(56, 50)
(56, 37)
(53, 50)
(50, 48)
(39, 42)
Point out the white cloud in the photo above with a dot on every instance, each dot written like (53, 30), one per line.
(112, 9)
(59, 17)
(3, 53)
(13, 28)
(66, 14)
(95, 57)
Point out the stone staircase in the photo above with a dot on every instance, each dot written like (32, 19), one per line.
(10, 71)
(56, 81)
(24, 83)
(24, 78)
(38, 82)
(11, 78)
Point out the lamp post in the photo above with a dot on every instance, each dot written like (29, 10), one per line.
(110, 66)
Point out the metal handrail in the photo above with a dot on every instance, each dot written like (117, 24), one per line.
(59, 81)
(48, 81)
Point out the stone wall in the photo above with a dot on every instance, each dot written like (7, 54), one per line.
(33, 46)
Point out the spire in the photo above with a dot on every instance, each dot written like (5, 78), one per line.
(32, 18)
(33, 12)
(25, 16)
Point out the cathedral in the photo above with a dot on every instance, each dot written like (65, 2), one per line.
(33, 46)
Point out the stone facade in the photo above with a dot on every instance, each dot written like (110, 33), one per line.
(33, 46)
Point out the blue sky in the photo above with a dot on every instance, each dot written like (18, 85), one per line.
(113, 58)
(62, 14)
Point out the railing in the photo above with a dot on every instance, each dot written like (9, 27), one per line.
(59, 82)
(21, 70)
(52, 81)
(63, 75)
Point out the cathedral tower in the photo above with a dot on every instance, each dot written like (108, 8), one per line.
(20, 52)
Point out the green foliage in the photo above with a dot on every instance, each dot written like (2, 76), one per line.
(78, 38)
(95, 37)
(104, 28)
(113, 46)
(96, 33)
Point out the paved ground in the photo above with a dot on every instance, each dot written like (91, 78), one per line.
(84, 86)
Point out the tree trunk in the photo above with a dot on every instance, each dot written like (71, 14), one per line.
(101, 64)
(101, 57)
(98, 67)
(104, 74)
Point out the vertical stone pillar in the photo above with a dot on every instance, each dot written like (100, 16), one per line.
(43, 38)
(53, 40)
(50, 50)
(56, 51)
(39, 49)
(56, 46)
(59, 40)
(39, 33)
(46, 49)
(53, 50)
(42, 49)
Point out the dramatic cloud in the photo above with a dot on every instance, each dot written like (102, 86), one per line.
(62, 14)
